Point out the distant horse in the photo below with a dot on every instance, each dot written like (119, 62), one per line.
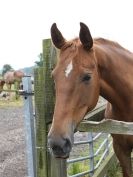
(2, 82)
(86, 69)
(11, 77)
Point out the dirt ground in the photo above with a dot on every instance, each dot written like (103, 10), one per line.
(12, 143)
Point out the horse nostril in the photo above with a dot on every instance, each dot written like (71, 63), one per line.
(67, 146)
(57, 150)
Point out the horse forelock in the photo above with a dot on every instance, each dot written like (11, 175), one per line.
(73, 51)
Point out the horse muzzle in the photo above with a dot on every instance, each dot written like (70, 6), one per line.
(60, 146)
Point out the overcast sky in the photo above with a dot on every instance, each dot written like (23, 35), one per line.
(24, 23)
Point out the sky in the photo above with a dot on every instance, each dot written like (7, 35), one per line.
(25, 23)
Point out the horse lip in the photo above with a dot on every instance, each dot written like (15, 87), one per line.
(62, 157)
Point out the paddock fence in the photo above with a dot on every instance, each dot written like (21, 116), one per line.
(6, 92)
(45, 164)
(38, 118)
(60, 168)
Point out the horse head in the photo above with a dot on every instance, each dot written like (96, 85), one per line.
(77, 87)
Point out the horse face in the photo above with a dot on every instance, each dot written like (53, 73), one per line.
(77, 88)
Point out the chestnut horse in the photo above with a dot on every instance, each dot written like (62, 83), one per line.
(2, 82)
(86, 69)
(11, 77)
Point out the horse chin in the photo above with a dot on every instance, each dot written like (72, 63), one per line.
(62, 157)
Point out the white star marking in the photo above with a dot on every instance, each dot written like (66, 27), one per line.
(68, 69)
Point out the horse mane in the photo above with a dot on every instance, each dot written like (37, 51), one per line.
(109, 42)
(75, 43)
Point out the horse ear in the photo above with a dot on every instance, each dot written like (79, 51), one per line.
(57, 38)
(85, 36)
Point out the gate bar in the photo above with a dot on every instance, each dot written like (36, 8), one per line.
(29, 127)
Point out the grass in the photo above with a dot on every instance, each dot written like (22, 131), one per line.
(78, 167)
(114, 171)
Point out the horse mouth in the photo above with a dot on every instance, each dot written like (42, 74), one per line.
(62, 157)
(59, 154)
(60, 148)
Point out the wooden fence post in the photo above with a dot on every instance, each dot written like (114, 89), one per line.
(44, 104)
(41, 136)
(16, 87)
(57, 168)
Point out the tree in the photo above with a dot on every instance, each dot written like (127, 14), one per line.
(40, 62)
(6, 67)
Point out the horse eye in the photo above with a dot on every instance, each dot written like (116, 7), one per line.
(86, 78)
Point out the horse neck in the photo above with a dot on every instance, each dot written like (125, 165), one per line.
(115, 71)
